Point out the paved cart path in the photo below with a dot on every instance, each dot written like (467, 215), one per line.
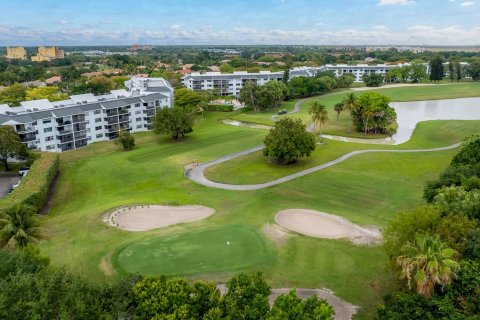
(197, 174)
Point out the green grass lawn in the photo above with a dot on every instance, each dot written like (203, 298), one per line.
(368, 189)
(225, 248)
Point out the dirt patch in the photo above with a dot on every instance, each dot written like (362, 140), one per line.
(51, 191)
(148, 217)
(323, 225)
(276, 232)
(106, 266)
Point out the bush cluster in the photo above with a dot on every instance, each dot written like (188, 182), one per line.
(34, 187)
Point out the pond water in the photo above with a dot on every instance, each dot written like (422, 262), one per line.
(409, 114)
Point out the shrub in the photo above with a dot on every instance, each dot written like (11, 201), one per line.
(34, 187)
(219, 107)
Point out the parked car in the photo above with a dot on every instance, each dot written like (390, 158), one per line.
(23, 171)
(282, 112)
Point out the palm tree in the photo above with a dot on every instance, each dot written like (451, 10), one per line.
(428, 262)
(19, 226)
(319, 115)
(350, 104)
(366, 116)
(338, 108)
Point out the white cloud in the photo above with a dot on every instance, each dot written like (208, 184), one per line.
(394, 2)
(467, 3)
(176, 34)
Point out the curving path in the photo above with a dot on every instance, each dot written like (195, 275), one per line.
(197, 175)
(343, 309)
(296, 108)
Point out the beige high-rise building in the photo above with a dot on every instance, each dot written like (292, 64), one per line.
(16, 53)
(48, 53)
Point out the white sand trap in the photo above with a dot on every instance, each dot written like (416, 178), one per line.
(143, 218)
(323, 225)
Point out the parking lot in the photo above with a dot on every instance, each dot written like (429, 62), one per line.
(6, 182)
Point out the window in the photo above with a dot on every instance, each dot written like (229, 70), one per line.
(100, 135)
(47, 130)
(48, 138)
(49, 120)
(50, 147)
(138, 119)
(139, 126)
(138, 111)
(98, 128)
(137, 105)
(98, 119)
(97, 111)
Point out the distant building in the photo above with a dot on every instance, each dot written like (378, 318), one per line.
(16, 53)
(48, 53)
(85, 118)
(34, 84)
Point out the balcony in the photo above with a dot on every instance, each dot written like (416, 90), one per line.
(26, 137)
(123, 118)
(66, 146)
(65, 138)
(112, 120)
(78, 118)
(80, 135)
(112, 112)
(81, 143)
(79, 126)
(24, 129)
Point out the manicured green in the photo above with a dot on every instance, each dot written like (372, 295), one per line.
(226, 248)
(367, 189)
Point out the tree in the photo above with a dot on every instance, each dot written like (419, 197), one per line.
(13, 95)
(350, 104)
(10, 145)
(126, 140)
(101, 85)
(288, 141)
(19, 226)
(428, 262)
(247, 297)
(338, 107)
(50, 93)
(290, 307)
(373, 113)
(286, 74)
(187, 99)
(417, 72)
(70, 74)
(469, 153)
(345, 81)
(319, 115)
(473, 70)
(226, 68)
(373, 80)
(436, 68)
(175, 122)
(248, 95)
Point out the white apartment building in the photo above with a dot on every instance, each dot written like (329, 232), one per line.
(227, 83)
(86, 118)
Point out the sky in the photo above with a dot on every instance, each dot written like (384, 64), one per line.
(231, 22)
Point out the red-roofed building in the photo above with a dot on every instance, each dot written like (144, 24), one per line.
(53, 80)
(184, 71)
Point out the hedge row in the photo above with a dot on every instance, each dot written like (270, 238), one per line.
(34, 186)
(219, 107)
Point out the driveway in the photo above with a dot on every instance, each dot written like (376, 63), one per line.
(6, 182)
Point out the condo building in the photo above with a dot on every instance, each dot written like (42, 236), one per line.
(48, 53)
(83, 119)
(16, 53)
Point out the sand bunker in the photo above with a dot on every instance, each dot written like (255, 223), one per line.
(323, 225)
(148, 217)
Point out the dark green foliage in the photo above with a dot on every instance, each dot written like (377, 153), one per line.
(34, 187)
(247, 297)
(472, 247)
(373, 80)
(27, 260)
(290, 307)
(436, 68)
(175, 122)
(474, 70)
(345, 81)
(306, 86)
(10, 145)
(187, 99)
(373, 113)
(126, 140)
(263, 97)
(219, 107)
(289, 141)
(469, 153)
